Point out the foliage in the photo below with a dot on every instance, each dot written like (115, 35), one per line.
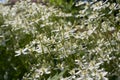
(39, 42)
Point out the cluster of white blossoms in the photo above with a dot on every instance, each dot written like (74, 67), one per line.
(55, 43)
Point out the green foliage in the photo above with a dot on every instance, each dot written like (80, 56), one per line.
(1, 20)
(65, 5)
(57, 76)
(39, 42)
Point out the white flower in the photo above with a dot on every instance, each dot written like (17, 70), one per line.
(18, 53)
(25, 51)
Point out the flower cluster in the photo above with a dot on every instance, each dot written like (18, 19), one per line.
(53, 45)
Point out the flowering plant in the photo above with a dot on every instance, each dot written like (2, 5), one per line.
(39, 42)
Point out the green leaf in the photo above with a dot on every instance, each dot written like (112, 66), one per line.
(57, 76)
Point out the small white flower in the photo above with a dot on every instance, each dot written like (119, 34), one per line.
(18, 53)
(25, 51)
